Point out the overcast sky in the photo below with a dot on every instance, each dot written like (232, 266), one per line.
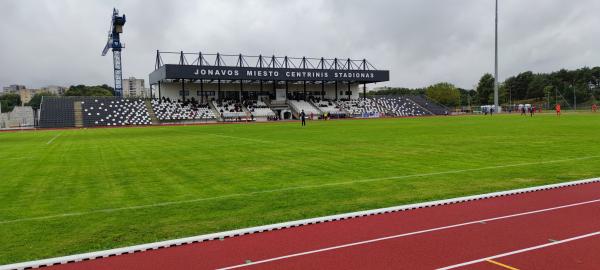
(421, 42)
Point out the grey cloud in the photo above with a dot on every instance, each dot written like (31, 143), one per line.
(419, 41)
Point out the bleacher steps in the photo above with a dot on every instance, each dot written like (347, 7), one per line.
(316, 107)
(151, 113)
(211, 104)
(248, 113)
(423, 107)
(78, 111)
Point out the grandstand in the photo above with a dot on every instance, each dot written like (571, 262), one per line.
(114, 112)
(301, 105)
(364, 107)
(399, 106)
(230, 110)
(59, 112)
(272, 88)
(167, 110)
(430, 105)
(259, 109)
(329, 107)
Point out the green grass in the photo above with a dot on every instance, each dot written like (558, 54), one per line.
(234, 174)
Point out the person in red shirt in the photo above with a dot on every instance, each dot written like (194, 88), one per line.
(557, 107)
(594, 107)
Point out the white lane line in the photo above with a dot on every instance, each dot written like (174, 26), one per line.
(278, 226)
(521, 251)
(54, 138)
(408, 234)
(169, 203)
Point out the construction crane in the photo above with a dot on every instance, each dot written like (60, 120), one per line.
(114, 42)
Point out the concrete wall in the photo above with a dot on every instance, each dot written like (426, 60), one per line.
(20, 116)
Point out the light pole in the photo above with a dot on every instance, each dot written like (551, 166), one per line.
(574, 98)
(496, 62)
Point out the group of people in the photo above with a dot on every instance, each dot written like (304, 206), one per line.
(487, 110)
(530, 110)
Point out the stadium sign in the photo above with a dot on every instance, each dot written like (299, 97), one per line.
(268, 74)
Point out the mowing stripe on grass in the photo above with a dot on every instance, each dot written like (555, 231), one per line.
(14, 158)
(308, 146)
(240, 138)
(109, 210)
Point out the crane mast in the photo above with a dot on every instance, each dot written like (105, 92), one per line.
(114, 43)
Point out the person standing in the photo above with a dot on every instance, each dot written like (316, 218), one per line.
(531, 110)
(557, 108)
(303, 117)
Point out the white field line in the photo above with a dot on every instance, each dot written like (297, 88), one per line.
(54, 138)
(521, 251)
(162, 204)
(240, 138)
(408, 234)
(278, 226)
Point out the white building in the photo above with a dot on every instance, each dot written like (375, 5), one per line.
(133, 87)
(13, 88)
(54, 89)
(27, 94)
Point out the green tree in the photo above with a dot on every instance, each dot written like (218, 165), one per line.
(485, 89)
(396, 91)
(9, 101)
(443, 93)
(36, 100)
(536, 86)
(83, 90)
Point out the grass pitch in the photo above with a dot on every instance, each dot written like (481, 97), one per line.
(71, 191)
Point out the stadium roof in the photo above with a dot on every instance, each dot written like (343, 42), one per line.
(261, 68)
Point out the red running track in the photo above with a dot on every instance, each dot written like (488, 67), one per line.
(541, 229)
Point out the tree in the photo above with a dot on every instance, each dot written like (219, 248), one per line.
(36, 100)
(443, 93)
(536, 86)
(396, 91)
(485, 89)
(521, 85)
(9, 101)
(83, 90)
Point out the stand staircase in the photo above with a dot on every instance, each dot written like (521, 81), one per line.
(78, 111)
(151, 113)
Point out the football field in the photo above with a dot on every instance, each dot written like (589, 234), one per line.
(71, 191)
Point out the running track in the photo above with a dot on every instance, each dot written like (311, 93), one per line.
(556, 228)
